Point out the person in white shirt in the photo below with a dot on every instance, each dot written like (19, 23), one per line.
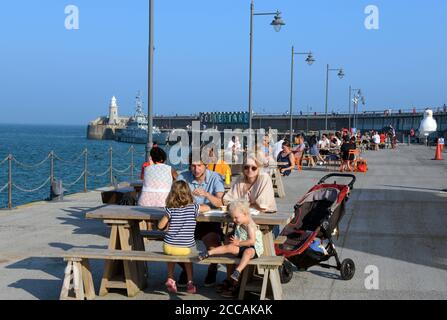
(324, 143)
(277, 149)
(376, 138)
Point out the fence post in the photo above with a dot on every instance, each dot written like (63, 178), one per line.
(51, 166)
(131, 162)
(111, 166)
(85, 169)
(10, 181)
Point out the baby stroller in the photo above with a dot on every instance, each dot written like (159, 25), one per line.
(316, 220)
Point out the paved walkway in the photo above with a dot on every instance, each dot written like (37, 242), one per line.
(395, 223)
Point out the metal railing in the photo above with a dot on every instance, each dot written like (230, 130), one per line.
(10, 186)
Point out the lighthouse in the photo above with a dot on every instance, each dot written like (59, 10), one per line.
(113, 112)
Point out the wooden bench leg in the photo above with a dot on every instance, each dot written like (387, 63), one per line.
(264, 284)
(131, 269)
(249, 270)
(73, 279)
(109, 266)
(275, 282)
(67, 281)
(87, 279)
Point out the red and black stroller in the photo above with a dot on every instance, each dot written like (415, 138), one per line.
(309, 234)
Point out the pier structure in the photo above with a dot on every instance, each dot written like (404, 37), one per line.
(393, 229)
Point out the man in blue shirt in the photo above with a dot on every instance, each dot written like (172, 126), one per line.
(208, 188)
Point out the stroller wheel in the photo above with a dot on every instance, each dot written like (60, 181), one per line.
(286, 271)
(347, 269)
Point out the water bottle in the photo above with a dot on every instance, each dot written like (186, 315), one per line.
(227, 177)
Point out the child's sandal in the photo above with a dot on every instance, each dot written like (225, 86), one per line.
(171, 285)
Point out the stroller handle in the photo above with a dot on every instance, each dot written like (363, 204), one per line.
(343, 175)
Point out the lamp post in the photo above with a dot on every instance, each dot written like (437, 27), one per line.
(277, 23)
(358, 98)
(150, 80)
(359, 91)
(310, 60)
(340, 74)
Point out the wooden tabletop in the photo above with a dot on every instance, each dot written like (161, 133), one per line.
(117, 212)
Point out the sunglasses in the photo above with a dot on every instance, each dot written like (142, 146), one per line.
(253, 168)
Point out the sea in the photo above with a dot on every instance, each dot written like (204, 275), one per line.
(30, 145)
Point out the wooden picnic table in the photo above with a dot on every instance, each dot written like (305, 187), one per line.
(125, 235)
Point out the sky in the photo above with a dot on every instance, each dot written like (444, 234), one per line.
(52, 75)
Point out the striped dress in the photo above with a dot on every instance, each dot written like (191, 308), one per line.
(182, 224)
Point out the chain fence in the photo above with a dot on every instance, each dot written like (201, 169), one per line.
(15, 167)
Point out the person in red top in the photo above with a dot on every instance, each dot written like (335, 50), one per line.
(382, 138)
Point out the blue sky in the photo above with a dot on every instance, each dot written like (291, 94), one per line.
(51, 75)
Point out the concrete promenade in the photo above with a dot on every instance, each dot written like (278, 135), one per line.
(396, 221)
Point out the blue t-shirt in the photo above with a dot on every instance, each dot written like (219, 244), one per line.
(182, 224)
(213, 184)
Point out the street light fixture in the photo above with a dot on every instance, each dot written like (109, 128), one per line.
(341, 75)
(358, 97)
(310, 60)
(277, 23)
(359, 92)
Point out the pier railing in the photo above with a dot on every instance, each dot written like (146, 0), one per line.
(52, 157)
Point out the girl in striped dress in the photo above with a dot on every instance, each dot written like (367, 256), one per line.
(180, 220)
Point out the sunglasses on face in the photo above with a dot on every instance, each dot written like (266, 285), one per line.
(253, 168)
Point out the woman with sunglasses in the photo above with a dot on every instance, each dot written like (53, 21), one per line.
(253, 185)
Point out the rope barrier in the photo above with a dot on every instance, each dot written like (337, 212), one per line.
(30, 166)
(121, 171)
(77, 180)
(4, 160)
(99, 175)
(69, 161)
(4, 187)
(33, 190)
(75, 161)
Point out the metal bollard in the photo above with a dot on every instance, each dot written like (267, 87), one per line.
(57, 191)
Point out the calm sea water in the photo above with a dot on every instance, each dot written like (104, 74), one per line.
(30, 144)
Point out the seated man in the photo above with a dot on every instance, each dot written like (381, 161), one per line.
(207, 188)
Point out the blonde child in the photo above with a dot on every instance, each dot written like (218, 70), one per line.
(180, 220)
(246, 242)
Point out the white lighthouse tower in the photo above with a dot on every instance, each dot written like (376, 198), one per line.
(113, 112)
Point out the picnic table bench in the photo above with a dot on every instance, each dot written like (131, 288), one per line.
(78, 273)
(130, 273)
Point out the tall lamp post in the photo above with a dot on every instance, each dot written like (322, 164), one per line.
(359, 92)
(310, 60)
(277, 23)
(358, 98)
(150, 109)
(340, 74)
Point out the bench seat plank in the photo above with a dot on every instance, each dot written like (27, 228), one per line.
(105, 254)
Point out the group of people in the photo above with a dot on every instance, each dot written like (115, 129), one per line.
(187, 195)
(290, 156)
(375, 140)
